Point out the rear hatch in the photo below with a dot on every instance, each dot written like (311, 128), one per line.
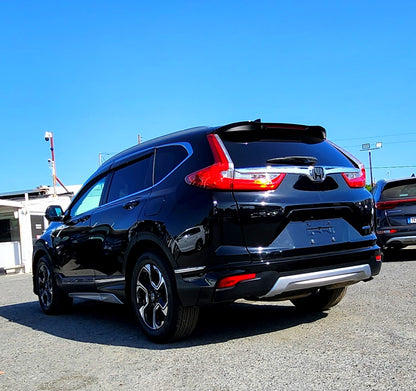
(398, 202)
(296, 192)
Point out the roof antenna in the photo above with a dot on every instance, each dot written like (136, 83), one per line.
(257, 120)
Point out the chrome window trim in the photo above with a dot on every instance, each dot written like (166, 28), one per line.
(189, 150)
(185, 145)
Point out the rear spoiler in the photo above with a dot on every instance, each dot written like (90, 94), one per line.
(268, 130)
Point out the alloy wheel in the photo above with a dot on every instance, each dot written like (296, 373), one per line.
(45, 286)
(151, 296)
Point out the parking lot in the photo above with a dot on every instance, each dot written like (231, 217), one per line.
(367, 342)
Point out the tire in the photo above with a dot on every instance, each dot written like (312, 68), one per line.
(321, 300)
(199, 244)
(52, 300)
(155, 301)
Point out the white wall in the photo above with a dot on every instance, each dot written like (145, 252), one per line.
(20, 253)
(10, 255)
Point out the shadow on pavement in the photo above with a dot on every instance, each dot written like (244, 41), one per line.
(111, 324)
(405, 254)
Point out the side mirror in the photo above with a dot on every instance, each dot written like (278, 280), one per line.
(54, 213)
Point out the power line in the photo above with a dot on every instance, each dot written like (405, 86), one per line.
(384, 167)
(378, 137)
(384, 144)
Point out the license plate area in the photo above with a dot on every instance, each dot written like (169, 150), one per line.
(411, 220)
(315, 233)
(321, 232)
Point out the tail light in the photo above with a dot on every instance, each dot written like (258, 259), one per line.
(355, 179)
(386, 231)
(384, 205)
(222, 176)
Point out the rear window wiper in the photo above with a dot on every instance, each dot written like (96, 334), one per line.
(296, 160)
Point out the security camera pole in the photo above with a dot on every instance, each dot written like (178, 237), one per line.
(49, 137)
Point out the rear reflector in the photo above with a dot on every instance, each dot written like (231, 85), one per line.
(228, 282)
(222, 176)
(355, 179)
(378, 257)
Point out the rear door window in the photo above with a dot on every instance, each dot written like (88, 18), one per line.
(131, 178)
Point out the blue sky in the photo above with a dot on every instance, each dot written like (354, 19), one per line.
(97, 73)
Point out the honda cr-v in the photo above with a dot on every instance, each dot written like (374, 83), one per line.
(263, 211)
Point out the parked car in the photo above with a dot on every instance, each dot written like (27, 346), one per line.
(189, 240)
(395, 212)
(282, 214)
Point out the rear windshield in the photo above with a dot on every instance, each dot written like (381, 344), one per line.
(401, 190)
(256, 153)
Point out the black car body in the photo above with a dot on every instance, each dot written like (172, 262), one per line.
(278, 212)
(395, 202)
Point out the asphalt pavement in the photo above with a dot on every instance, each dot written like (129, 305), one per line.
(367, 342)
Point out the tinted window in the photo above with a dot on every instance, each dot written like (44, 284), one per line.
(256, 154)
(90, 199)
(132, 178)
(167, 159)
(400, 190)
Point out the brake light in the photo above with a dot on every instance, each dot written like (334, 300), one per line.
(355, 179)
(228, 282)
(384, 205)
(222, 176)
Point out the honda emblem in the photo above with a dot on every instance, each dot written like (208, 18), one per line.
(318, 174)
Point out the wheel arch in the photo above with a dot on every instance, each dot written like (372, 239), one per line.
(145, 243)
(38, 252)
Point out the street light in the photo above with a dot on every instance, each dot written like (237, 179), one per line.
(367, 147)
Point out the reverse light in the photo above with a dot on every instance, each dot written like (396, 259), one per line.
(230, 281)
(222, 176)
(355, 179)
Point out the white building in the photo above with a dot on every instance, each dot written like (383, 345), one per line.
(22, 221)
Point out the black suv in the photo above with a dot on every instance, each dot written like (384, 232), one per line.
(263, 211)
(395, 212)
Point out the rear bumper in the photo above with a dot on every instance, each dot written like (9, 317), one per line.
(340, 276)
(397, 239)
(279, 278)
(404, 240)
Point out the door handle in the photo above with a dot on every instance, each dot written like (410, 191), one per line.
(80, 220)
(131, 204)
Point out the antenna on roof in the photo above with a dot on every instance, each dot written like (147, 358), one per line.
(257, 120)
